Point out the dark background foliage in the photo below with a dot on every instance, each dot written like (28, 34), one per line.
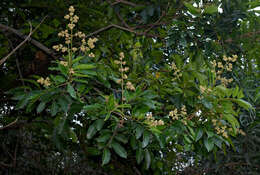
(152, 33)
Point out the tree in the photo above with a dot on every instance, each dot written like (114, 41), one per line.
(140, 87)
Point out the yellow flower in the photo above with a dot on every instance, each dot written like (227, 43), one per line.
(92, 55)
(67, 16)
(64, 63)
(117, 62)
(225, 134)
(47, 82)
(40, 80)
(130, 86)
(220, 65)
(125, 76)
(74, 49)
(64, 49)
(71, 26)
(202, 89)
(160, 122)
(118, 81)
(71, 9)
(71, 71)
(225, 58)
(122, 55)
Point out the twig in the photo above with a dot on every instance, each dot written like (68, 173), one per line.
(127, 3)
(122, 28)
(122, 20)
(9, 125)
(17, 125)
(5, 165)
(114, 134)
(137, 171)
(22, 43)
(99, 30)
(33, 41)
(156, 23)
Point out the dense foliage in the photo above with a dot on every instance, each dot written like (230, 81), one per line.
(130, 87)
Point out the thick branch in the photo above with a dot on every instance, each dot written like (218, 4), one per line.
(123, 28)
(22, 43)
(127, 3)
(39, 45)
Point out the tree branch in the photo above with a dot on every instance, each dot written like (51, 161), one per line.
(39, 45)
(127, 3)
(22, 43)
(125, 29)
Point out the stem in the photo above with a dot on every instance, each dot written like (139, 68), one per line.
(122, 84)
(70, 50)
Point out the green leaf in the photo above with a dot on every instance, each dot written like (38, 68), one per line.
(106, 156)
(133, 142)
(210, 133)
(138, 132)
(84, 66)
(209, 144)
(99, 124)
(91, 131)
(232, 120)
(81, 75)
(63, 70)
(187, 139)
(147, 159)
(146, 139)
(243, 103)
(121, 138)
(71, 91)
(59, 79)
(32, 81)
(207, 103)
(92, 107)
(54, 108)
(119, 149)
(161, 140)
(222, 91)
(199, 134)
(78, 59)
(211, 9)
(73, 136)
(93, 151)
(103, 138)
(64, 104)
(139, 155)
(40, 107)
(60, 123)
(193, 10)
(22, 103)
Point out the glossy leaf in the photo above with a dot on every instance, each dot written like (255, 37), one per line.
(106, 156)
(119, 150)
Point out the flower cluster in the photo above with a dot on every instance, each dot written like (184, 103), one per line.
(123, 69)
(69, 35)
(177, 72)
(150, 120)
(221, 129)
(45, 82)
(64, 63)
(204, 89)
(73, 18)
(181, 115)
(222, 67)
